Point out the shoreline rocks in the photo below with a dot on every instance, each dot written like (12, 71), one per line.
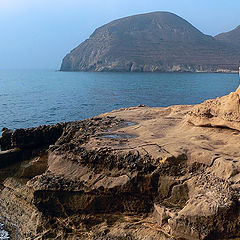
(31, 138)
(135, 173)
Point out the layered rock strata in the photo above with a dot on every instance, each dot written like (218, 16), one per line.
(135, 173)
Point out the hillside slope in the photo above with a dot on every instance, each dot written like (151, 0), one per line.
(158, 41)
(232, 37)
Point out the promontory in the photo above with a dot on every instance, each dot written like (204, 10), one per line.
(154, 42)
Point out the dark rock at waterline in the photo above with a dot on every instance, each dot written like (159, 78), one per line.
(38, 137)
(5, 139)
(9, 157)
(153, 42)
(22, 144)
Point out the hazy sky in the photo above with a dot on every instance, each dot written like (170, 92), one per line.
(39, 33)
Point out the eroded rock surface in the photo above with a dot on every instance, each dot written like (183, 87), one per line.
(221, 112)
(135, 173)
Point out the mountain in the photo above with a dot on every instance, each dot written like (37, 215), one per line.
(158, 41)
(230, 37)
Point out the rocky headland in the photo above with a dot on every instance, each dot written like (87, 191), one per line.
(138, 173)
(154, 42)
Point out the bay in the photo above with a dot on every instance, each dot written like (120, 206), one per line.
(34, 97)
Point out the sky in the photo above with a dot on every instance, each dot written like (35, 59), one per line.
(37, 34)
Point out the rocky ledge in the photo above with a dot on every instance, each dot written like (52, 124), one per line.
(138, 173)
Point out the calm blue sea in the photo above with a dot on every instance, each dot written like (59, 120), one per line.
(34, 97)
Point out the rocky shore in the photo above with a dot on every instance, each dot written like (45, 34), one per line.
(138, 173)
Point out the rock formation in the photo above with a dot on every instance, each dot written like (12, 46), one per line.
(153, 42)
(135, 173)
(221, 112)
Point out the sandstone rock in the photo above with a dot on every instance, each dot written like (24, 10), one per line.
(163, 214)
(210, 213)
(220, 112)
(179, 196)
(225, 168)
(160, 178)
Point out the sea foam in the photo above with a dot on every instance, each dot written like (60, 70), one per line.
(3, 234)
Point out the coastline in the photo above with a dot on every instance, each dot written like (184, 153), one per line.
(126, 71)
(134, 172)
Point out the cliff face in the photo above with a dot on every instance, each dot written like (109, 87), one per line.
(158, 41)
(136, 173)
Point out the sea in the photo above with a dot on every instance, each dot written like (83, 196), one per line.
(29, 98)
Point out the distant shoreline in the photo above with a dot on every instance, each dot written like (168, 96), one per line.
(226, 71)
